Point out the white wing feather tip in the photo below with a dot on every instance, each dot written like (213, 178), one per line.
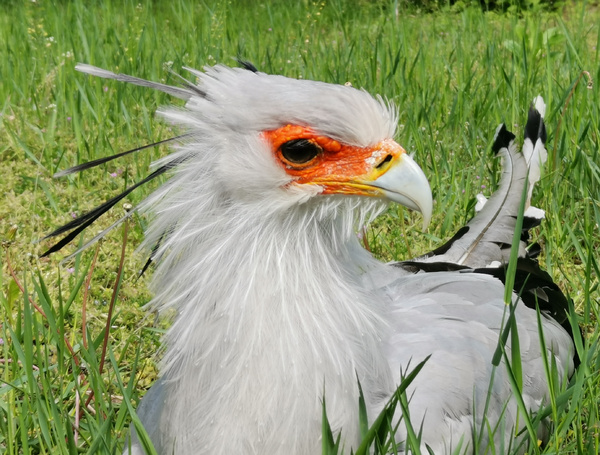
(481, 201)
(534, 149)
(534, 212)
(540, 105)
(498, 131)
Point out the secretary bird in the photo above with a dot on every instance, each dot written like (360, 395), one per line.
(277, 305)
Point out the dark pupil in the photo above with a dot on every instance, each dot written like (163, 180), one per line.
(300, 151)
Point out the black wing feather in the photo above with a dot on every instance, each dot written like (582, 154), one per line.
(99, 161)
(535, 128)
(247, 65)
(88, 218)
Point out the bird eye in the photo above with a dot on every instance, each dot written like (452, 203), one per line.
(300, 151)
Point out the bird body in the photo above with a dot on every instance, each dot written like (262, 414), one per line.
(278, 307)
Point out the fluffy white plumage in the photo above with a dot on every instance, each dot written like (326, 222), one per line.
(277, 305)
(249, 264)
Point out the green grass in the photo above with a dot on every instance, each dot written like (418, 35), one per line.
(455, 74)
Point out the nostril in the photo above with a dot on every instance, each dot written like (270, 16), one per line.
(387, 159)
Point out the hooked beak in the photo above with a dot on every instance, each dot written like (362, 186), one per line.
(405, 183)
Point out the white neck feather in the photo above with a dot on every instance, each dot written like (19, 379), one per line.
(270, 315)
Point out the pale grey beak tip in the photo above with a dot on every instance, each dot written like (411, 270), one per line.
(406, 184)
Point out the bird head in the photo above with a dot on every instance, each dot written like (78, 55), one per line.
(267, 139)
(261, 144)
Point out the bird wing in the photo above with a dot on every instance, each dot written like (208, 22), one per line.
(448, 304)
(150, 412)
(487, 238)
(483, 244)
(457, 319)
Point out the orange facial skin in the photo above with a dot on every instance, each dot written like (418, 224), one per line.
(340, 168)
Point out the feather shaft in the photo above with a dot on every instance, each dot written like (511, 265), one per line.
(99, 161)
(184, 94)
